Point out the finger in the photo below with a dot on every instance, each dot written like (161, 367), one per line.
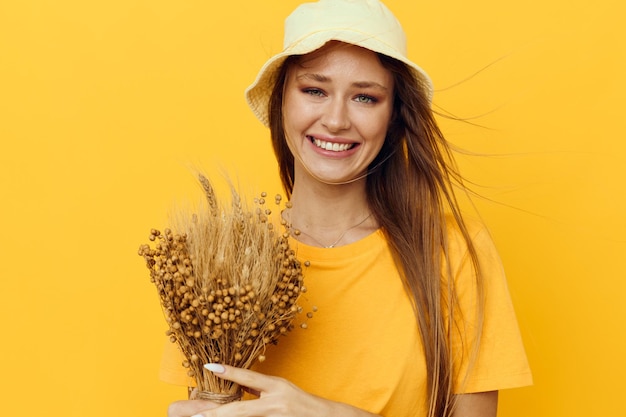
(235, 409)
(251, 391)
(244, 377)
(189, 408)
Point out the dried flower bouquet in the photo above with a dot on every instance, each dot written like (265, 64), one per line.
(228, 283)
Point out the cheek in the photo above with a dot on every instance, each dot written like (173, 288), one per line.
(289, 129)
(376, 126)
(292, 111)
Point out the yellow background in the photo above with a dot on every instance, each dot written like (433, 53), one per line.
(105, 106)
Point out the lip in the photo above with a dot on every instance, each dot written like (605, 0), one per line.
(342, 147)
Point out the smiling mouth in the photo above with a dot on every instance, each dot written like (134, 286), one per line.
(330, 146)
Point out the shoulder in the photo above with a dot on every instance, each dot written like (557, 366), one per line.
(476, 238)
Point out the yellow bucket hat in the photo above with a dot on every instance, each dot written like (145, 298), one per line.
(365, 23)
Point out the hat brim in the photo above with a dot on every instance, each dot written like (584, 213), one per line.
(259, 92)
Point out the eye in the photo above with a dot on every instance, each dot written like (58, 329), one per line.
(364, 98)
(316, 92)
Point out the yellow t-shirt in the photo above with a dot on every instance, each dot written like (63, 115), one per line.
(363, 347)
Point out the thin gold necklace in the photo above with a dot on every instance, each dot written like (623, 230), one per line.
(297, 232)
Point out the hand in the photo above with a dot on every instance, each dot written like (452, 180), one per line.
(189, 408)
(277, 398)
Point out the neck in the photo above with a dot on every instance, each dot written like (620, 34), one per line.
(329, 216)
(329, 205)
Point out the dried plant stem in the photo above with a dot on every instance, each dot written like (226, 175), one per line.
(228, 284)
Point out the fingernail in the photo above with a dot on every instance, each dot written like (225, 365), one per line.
(214, 367)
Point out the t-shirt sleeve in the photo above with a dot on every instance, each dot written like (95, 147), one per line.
(500, 360)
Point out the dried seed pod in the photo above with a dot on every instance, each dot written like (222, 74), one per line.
(223, 304)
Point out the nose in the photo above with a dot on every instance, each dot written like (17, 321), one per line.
(336, 116)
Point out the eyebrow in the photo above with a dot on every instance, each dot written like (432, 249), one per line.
(324, 79)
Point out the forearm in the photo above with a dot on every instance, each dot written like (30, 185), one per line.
(480, 404)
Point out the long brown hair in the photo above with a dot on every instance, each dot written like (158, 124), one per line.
(409, 190)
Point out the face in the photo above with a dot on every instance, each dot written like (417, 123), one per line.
(337, 106)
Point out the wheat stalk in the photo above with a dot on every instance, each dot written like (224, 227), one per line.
(228, 283)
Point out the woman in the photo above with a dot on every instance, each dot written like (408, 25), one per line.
(414, 315)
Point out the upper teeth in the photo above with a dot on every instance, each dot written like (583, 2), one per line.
(336, 147)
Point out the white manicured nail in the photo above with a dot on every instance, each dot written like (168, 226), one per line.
(214, 367)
